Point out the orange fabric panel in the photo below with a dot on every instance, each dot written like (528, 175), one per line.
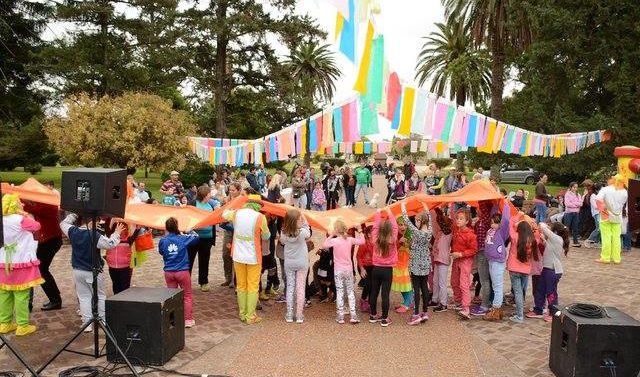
(33, 190)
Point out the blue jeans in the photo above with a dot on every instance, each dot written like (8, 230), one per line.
(519, 285)
(572, 220)
(541, 212)
(496, 271)
(595, 235)
(626, 241)
(361, 187)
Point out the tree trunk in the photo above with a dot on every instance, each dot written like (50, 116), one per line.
(220, 91)
(103, 88)
(497, 78)
(146, 172)
(461, 96)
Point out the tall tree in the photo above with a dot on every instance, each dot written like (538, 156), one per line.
(449, 60)
(502, 25)
(313, 66)
(232, 49)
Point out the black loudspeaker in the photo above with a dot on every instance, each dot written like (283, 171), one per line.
(147, 323)
(94, 191)
(595, 347)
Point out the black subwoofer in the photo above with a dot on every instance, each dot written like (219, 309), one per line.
(594, 347)
(94, 191)
(148, 324)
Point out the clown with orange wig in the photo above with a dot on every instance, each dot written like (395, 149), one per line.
(19, 270)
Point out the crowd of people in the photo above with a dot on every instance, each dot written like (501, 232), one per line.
(418, 256)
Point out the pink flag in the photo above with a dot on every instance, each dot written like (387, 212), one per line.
(441, 118)
(428, 119)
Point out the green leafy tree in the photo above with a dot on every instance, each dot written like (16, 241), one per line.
(503, 26)
(129, 131)
(449, 60)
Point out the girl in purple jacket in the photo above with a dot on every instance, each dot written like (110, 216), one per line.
(496, 254)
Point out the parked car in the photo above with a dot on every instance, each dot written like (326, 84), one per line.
(514, 174)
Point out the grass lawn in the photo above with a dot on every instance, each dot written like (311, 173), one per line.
(54, 173)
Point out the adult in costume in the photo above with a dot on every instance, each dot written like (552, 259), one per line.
(19, 271)
(250, 228)
(610, 201)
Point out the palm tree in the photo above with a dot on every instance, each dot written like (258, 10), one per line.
(498, 24)
(313, 67)
(449, 60)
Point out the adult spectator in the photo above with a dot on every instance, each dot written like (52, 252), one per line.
(397, 187)
(173, 183)
(49, 242)
(250, 228)
(611, 201)
(594, 238)
(430, 180)
(572, 204)
(274, 188)
(587, 224)
(370, 168)
(227, 260)
(261, 173)
(541, 199)
(207, 240)
(518, 199)
(252, 179)
(363, 179)
(141, 193)
(299, 194)
(450, 181)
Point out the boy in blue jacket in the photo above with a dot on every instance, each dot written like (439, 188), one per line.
(174, 250)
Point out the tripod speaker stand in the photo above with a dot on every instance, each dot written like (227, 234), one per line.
(4, 340)
(86, 190)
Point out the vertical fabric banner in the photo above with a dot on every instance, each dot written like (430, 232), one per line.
(337, 124)
(346, 120)
(486, 144)
(419, 112)
(408, 98)
(358, 148)
(303, 137)
(457, 126)
(363, 72)
(414, 146)
(327, 128)
(368, 117)
(428, 120)
(367, 147)
(376, 71)
(395, 122)
(313, 136)
(273, 151)
(354, 127)
(394, 91)
(319, 127)
(298, 130)
(440, 120)
(348, 34)
(472, 124)
(448, 125)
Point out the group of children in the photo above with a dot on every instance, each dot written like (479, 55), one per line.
(413, 256)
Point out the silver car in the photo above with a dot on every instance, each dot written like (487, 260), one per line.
(514, 174)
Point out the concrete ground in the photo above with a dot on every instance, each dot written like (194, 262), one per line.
(445, 346)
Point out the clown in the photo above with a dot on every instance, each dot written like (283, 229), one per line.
(19, 270)
(250, 229)
(611, 201)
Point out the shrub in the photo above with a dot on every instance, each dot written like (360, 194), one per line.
(33, 169)
(441, 162)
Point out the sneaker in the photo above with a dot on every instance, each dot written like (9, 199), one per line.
(456, 307)
(6, 328)
(402, 309)
(588, 244)
(479, 311)
(307, 303)
(288, 319)
(374, 318)
(300, 319)
(602, 261)
(354, 320)
(324, 299)
(576, 245)
(189, 323)
(424, 317)
(464, 314)
(264, 296)
(25, 330)
(225, 284)
(439, 309)
(204, 287)
(433, 303)
(340, 320)
(533, 314)
(514, 318)
(415, 320)
(384, 322)
(281, 299)
(547, 318)
(253, 320)
(258, 306)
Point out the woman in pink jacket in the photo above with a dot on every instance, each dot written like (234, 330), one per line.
(572, 203)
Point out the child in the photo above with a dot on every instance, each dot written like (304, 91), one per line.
(19, 271)
(318, 199)
(385, 256)
(174, 250)
(401, 281)
(343, 269)
(464, 247)
(323, 275)
(495, 251)
(169, 199)
(524, 249)
(365, 266)
(295, 233)
(119, 260)
(419, 262)
(441, 259)
(556, 241)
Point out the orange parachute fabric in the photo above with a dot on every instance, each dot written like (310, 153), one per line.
(34, 191)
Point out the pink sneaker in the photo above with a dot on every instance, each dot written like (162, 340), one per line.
(464, 314)
(189, 323)
(547, 318)
(415, 320)
(402, 309)
(424, 317)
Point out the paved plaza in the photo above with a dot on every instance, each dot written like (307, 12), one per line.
(444, 346)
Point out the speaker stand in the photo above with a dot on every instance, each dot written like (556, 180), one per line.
(17, 354)
(95, 320)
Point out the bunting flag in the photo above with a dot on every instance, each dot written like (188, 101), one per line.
(348, 33)
(313, 136)
(408, 99)
(394, 91)
(342, 6)
(414, 146)
(358, 148)
(368, 117)
(395, 122)
(365, 63)
(354, 131)
(448, 125)
(337, 124)
(303, 138)
(428, 120)
(419, 112)
(327, 129)
(376, 71)
(346, 122)
(368, 147)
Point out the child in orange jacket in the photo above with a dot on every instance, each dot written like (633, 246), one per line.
(464, 247)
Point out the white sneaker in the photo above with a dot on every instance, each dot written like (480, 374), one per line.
(189, 323)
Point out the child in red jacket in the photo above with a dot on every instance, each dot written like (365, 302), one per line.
(365, 266)
(464, 247)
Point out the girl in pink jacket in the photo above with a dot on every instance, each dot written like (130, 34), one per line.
(572, 203)
(441, 259)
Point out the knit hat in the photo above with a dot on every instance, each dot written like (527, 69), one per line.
(619, 178)
(254, 202)
(10, 204)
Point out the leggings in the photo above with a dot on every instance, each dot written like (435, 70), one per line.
(380, 279)
(203, 250)
(366, 289)
(419, 284)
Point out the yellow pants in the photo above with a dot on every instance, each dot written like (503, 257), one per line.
(247, 277)
(611, 245)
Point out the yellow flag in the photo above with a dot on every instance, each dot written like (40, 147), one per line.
(487, 145)
(339, 25)
(304, 130)
(407, 111)
(363, 71)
